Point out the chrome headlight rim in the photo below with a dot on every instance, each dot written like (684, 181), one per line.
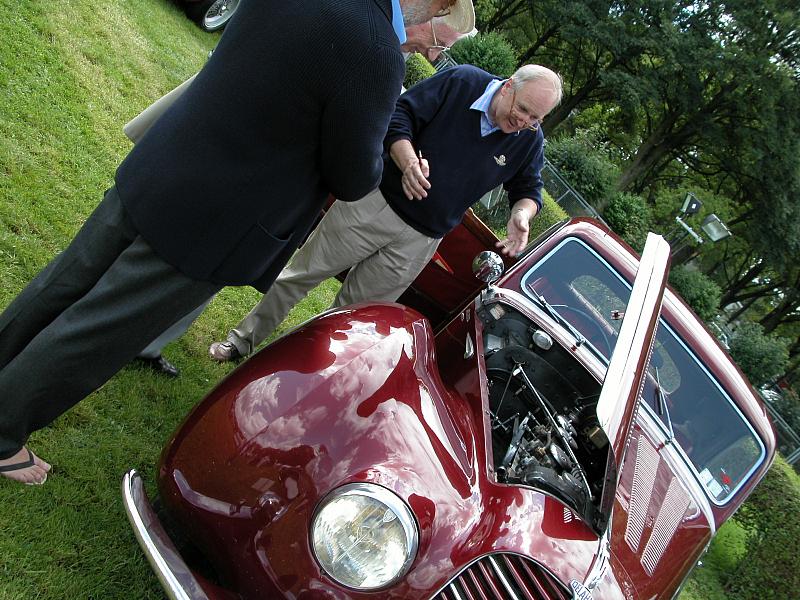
(389, 499)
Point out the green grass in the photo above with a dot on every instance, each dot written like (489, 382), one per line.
(72, 72)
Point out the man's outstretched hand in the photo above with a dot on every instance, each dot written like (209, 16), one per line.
(517, 228)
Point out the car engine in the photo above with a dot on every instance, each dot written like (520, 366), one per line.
(545, 432)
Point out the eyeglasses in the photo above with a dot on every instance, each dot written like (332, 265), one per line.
(531, 122)
(445, 11)
(436, 47)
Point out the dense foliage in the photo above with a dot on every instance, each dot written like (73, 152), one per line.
(698, 290)
(582, 161)
(628, 215)
(788, 405)
(417, 69)
(489, 51)
(770, 567)
(762, 357)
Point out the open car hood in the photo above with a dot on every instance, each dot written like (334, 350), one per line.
(628, 366)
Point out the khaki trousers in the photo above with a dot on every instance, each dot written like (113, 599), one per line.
(384, 255)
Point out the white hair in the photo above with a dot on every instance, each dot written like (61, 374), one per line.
(528, 73)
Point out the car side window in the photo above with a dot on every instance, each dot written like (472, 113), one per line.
(708, 426)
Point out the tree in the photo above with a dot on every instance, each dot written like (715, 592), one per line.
(697, 289)
(629, 216)
(583, 161)
(704, 96)
(711, 87)
(761, 357)
(698, 104)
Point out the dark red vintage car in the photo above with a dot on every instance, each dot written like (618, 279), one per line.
(570, 430)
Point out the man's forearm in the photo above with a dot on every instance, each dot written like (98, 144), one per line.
(403, 154)
(529, 206)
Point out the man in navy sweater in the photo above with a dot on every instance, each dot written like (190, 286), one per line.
(452, 138)
(293, 105)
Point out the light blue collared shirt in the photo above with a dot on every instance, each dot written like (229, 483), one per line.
(397, 21)
(483, 103)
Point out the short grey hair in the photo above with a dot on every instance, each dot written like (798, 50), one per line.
(528, 73)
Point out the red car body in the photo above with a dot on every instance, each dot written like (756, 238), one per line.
(615, 494)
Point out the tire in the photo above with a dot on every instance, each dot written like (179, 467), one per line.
(211, 15)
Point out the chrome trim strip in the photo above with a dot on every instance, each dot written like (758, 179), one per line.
(601, 561)
(454, 590)
(670, 515)
(501, 576)
(164, 560)
(645, 469)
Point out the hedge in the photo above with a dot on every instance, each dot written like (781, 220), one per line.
(490, 51)
(699, 291)
(770, 567)
(417, 69)
(496, 220)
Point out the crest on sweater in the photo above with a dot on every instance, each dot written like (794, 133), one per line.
(500, 160)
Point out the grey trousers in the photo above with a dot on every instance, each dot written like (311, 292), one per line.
(155, 347)
(86, 315)
(384, 255)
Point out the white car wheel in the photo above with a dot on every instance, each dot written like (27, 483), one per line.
(212, 15)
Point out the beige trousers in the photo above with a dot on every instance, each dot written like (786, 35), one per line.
(384, 255)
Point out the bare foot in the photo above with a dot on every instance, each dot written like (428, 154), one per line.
(25, 467)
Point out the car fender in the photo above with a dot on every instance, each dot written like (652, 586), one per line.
(351, 396)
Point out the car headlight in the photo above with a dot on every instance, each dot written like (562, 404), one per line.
(364, 536)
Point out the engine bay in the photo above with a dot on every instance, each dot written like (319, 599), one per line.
(545, 432)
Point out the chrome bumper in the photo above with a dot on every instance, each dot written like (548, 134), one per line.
(176, 578)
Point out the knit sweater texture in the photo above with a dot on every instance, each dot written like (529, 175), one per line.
(293, 105)
(435, 116)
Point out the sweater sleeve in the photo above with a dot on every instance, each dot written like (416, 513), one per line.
(527, 181)
(354, 125)
(419, 105)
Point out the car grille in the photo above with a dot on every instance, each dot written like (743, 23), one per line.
(504, 577)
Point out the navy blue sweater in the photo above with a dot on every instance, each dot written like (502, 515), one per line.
(293, 105)
(435, 115)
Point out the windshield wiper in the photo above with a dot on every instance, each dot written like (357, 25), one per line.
(550, 309)
(663, 409)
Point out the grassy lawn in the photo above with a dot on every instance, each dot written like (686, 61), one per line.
(72, 72)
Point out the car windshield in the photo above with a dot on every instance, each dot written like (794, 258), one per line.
(707, 426)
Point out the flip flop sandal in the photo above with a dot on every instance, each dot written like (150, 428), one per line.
(23, 465)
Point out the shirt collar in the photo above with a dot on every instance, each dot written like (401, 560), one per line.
(483, 103)
(397, 21)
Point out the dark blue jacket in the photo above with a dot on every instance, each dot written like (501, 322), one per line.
(435, 115)
(293, 105)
